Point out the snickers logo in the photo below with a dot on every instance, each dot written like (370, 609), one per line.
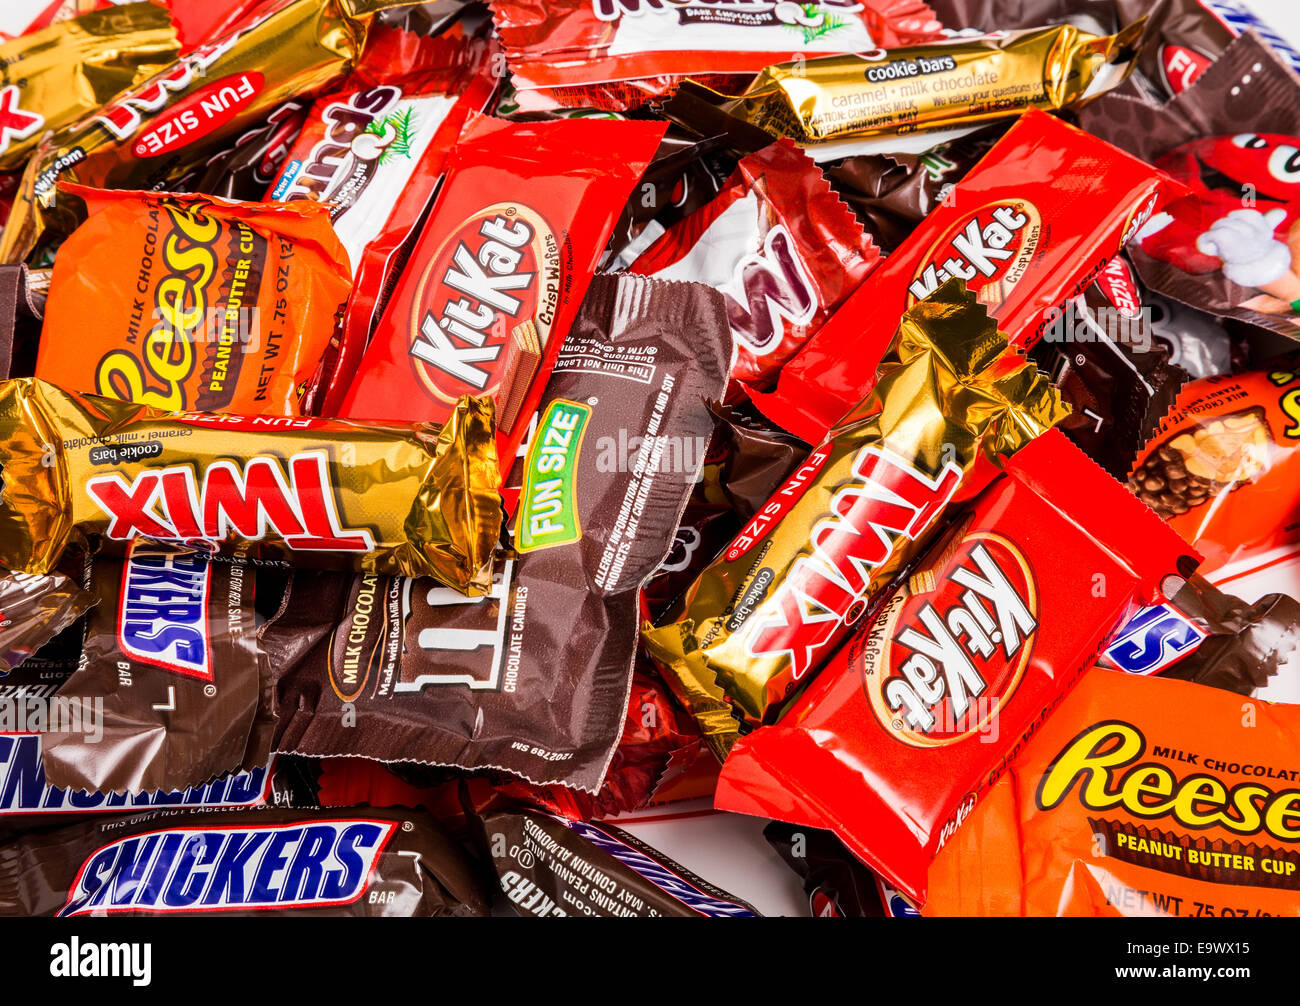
(163, 618)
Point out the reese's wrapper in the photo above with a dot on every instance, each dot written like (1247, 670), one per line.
(899, 736)
(532, 679)
(934, 85)
(359, 862)
(1222, 467)
(1028, 228)
(79, 469)
(218, 307)
(53, 77)
(170, 665)
(34, 608)
(1205, 635)
(1117, 807)
(951, 403)
(160, 130)
(553, 866)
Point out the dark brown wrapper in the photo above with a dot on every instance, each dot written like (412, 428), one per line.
(354, 862)
(533, 679)
(619, 876)
(837, 884)
(171, 669)
(33, 610)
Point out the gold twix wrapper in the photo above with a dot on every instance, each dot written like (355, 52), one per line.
(951, 402)
(392, 499)
(53, 77)
(938, 85)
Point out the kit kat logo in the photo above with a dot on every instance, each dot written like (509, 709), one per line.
(163, 612)
(951, 647)
(499, 268)
(990, 249)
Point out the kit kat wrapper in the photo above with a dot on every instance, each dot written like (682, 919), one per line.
(290, 491)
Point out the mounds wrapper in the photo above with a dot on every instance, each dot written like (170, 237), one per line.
(209, 305)
(1205, 635)
(394, 500)
(894, 743)
(1027, 229)
(160, 131)
(532, 679)
(553, 866)
(355, 862)
(171, 669)
(52, 77)
(1233, 249)
(35, 608)
(946, 84)
(1222, 468)
(950, 405)
(1119, 808)
(576, 43)
(499, 269)
(781, 247)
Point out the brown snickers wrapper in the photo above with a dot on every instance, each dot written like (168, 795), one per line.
(551, 866)
(35, 608)
(351, 862)
(171, 666)
(533, 678)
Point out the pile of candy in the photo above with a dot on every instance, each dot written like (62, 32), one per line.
(431, 430)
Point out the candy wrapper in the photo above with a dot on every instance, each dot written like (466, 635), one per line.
(1234, 249)
(387, 499)
(1221, 469)
(892, 746)
(33, 610)
(51, 78)
(499, 270)
(218, 306)
(1118, 808)
(245, 168)
(580, 42)
(532, 679)
(349, 863)
(782, 249)
(837, 884)
(936, 85)
(161, 130)
(950, 403)
(1029, 228)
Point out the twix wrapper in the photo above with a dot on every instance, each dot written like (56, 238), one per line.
(904, 731)
(410, 500)
(950, 404)
(53, 77)
(162, 129)
(209, 305)
(1030, 227)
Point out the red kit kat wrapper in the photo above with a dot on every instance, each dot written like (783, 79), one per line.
(900, 735)
(1028, 228)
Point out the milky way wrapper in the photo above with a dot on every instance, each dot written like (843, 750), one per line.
(935, 85)
(1138, 797)
(352, 862)
(951, 403)
(532, 679)
(159, 131)
(53, 77)
(33, 610)
(902, 733)
(395, 499)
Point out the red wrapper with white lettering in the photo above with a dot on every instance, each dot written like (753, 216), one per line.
(498, 271)
(374, 151)
(567, 43)
(1030, 227)
(898, 738)
(780, 246)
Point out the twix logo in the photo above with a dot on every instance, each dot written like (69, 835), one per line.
(265, 498)
(155, 374)
(886, 499)
(124, 116)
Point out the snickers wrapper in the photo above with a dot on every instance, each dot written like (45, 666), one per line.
(396, 499)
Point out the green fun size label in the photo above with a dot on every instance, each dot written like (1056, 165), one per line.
(548, 511)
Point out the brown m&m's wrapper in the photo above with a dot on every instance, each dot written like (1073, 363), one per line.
(390, 499)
